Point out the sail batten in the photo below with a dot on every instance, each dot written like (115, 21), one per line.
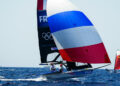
(75, 36)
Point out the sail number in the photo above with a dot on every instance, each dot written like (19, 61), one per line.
(43, 19)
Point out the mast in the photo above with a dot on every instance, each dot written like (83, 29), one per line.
(46, 42)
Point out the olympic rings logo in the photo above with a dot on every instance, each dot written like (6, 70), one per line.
(47, 36)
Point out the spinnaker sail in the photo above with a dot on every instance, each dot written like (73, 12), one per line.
(117, 61)
(75, 36)
(46, 42)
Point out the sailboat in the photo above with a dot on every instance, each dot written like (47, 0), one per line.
(117, 62)
(73, 37)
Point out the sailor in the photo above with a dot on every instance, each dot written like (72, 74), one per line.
(52, 68)
(61, 68)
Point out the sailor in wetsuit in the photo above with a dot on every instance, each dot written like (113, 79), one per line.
(52, 68)
(61, 68)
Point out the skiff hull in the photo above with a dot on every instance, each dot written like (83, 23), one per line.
(66, 75)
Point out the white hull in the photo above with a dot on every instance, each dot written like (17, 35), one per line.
(66, 75)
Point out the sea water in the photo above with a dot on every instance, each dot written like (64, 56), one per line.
(10, 76)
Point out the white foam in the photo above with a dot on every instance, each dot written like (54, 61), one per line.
(2, 77)
(76, 79)
(41, 78)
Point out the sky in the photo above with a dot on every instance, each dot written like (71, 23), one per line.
(19, 37)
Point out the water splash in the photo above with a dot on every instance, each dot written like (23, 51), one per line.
(41, 78)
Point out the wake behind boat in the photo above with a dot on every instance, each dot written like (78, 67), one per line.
(68, 33)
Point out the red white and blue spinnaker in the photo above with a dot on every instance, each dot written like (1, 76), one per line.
(75, 36)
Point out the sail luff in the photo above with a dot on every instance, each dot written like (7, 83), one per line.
(74, 34)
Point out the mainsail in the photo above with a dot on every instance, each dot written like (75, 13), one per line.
(46, 43)
(75, 36)
(117, 61)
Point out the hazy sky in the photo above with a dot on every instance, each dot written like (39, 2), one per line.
(18, 29)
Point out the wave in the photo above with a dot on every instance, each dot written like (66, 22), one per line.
(41, 78)
(7, 69)
(1, 70)
(2, 77)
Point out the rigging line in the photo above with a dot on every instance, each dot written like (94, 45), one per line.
(56, 57)
(100, 67)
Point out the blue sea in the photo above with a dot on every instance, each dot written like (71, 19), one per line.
(11, 76)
